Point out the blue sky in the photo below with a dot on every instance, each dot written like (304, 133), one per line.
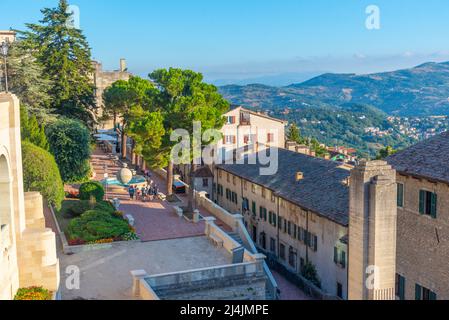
(240, 39)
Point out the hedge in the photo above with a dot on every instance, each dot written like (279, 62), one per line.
(91, 188)
(40, 173)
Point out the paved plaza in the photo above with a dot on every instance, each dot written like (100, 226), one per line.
(168, 244)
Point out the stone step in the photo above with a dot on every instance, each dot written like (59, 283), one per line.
(236, 237)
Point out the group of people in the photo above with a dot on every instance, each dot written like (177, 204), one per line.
(144, 193)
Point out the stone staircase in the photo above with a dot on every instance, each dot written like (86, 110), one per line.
(236, 237)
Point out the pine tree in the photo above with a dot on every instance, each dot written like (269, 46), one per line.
(27, 81)
(66, 57)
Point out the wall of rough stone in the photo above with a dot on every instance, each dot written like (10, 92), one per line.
(423, 242)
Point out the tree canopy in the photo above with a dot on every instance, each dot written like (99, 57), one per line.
(70, 143)
(65, 56)
(31, 130)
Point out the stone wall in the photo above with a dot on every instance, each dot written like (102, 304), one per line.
(423, 242)
(27, 248)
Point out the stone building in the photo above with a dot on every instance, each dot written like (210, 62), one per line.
(27, 248)
(7, 35)
(310, 209)
(102, 80)
(423, 220)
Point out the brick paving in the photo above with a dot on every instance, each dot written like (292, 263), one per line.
(289, 291)
(154, 220)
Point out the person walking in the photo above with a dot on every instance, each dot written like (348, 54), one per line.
(143, 192)
(131, 191)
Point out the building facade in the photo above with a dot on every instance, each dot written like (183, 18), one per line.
(423, 220)
(307, 213)
(27, 248)
(102, 80)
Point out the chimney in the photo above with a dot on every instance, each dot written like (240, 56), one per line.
(299, 176)
(122, 65)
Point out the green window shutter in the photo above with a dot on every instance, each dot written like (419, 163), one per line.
(270, 220)
(260, 213)
(422, 199)
(433, 209)
(400, 195)
(254, 207)
(315, 243)
(265, 214)
(274, 219)
(401, 288)
(335, 255)
(343, 259)
(417, 292)
(433, 296)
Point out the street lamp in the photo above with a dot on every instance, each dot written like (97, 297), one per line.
(4, 51)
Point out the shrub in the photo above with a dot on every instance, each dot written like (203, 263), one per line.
(33, 293)
(309, 272)
(40, 173)
(91, 189)
(96, 225)
(70, 144)
(77, 208)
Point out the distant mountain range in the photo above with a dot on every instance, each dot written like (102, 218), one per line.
(419, 91)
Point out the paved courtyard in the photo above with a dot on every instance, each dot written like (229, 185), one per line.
(105, 273)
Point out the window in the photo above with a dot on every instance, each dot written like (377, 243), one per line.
(289, 228)
(400, 287)
(231, 120)
(220, 190)
(246, 138)
(245, 204)
(273, 198)
(220, 173)
(205, 182)
(229, 140)
(272, 218)
(234, 180)
(270, 137)
(227, 193)
(245, 185)
(263, 240)
(339, 290)
(422, 293)
(263, 193)
(253, 188)
(340, 257)
(285, 226)
(292, 257)
(263, 213)
(228, 177)
(280, 222)
(428, 203)
(273, 245)
(254, 208)
(282, 251)
(400, 195)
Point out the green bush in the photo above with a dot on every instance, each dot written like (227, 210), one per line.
(41, 174)
(70, 144)
(91, 189)
(309, 272)
(33, 293)
(96, 225)
(77, 208)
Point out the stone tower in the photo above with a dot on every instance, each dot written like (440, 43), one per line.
(372, 232)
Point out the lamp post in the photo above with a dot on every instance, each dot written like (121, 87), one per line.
(4, 51)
